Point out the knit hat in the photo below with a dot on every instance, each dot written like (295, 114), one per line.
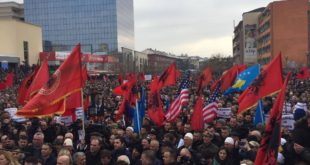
(130, 128)
(68, 142)
(229, 140)
(299, 113)
(189, 135)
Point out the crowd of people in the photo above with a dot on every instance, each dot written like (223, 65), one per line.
(225, 141)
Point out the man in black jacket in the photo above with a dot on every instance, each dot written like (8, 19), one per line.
(47, 155)
(93, 155)
(119, 149)
(301, 136)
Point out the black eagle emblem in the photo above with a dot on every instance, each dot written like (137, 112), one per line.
(257, 83)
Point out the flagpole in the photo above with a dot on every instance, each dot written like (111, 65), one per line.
(83, 117)
(138, 116)
(82, 99)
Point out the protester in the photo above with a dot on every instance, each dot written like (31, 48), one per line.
(100, 139)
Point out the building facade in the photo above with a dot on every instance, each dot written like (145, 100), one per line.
(158, 61)
(101, 26)
(284, 27)
(238, 44)
(245, 34)
(250, 27)
(141, 61)
(20, 42)
(11, 10)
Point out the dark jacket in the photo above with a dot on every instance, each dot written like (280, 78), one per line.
(119, 152)
(50, 160)
(209, 149)
(92, 159)
(301, 136)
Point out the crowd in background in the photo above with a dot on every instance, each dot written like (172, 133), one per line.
(234, 140)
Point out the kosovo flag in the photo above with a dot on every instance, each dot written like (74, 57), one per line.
(244, 79)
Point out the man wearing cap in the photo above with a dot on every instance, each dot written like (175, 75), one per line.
(68, 144)
(188, 141)
(229, 144)
(129, 136)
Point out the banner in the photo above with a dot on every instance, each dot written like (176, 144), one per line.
(224, 113)
(287, 108)
(148, 77)
(67, 120)
(287, 121)
(12, 112)
(79, 113)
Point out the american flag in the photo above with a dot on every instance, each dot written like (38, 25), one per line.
(210, 110)
(182, 99)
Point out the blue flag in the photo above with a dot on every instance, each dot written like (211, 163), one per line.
(139, 112)
(259, 114)
(244, 79)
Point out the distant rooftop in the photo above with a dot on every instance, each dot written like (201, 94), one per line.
(152, 51)
(261, 9)
(11, 10)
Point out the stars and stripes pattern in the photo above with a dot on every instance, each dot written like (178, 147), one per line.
(210, 110)
(182, 99)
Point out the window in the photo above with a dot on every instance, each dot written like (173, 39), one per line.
(26, 53)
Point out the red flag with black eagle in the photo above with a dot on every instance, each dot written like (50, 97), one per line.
(303, 74)
(228, 77)
(121, 89)
(169, 77)
(155, 110)
(268, 82)
(204, 79)
(51, 98)
(130, 94)
(24, 86)
(268, 151)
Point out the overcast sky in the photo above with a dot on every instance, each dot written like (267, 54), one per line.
(195, 27)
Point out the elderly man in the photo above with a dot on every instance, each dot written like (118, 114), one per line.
(37, 142)
(123, 159)
(79, 158)
(188, 140)
(64, 160)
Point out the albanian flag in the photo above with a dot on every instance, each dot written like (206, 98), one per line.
(155, 110)
(268, 151)
(204, 79)
(268, 82)
(169, 77)
(303, 74)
